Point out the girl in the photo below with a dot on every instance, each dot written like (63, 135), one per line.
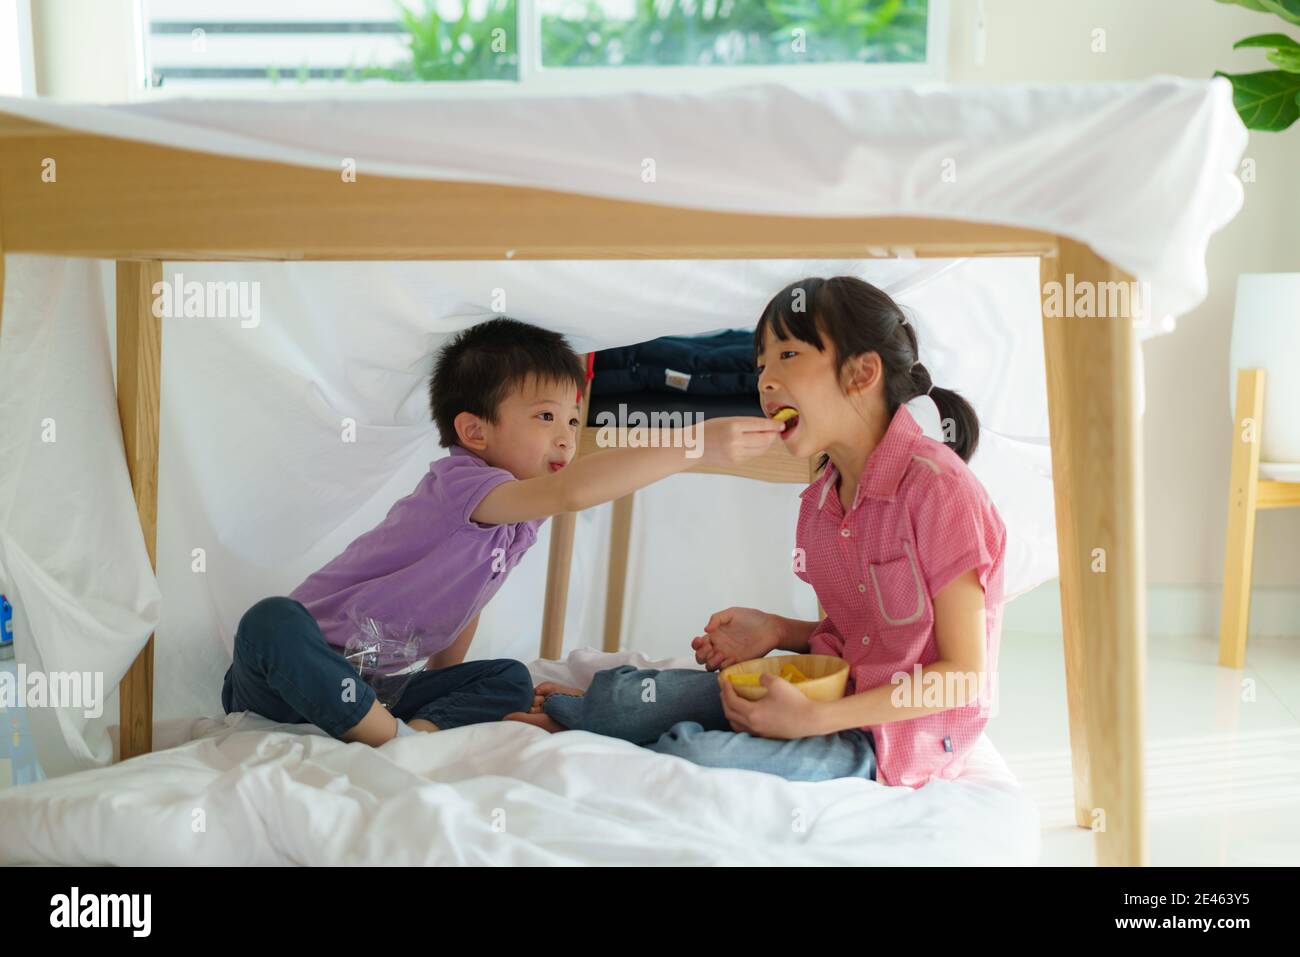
(898, 539)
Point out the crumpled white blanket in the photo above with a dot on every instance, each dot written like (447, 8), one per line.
(243, 790)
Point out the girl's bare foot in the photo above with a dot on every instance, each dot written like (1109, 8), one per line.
(549, 688)
(543, 721)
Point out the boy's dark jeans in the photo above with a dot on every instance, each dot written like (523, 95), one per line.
(285, 671)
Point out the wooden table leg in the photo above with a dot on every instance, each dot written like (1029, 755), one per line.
(558, 565)
(560, 560)
(620, 543)
(1097, 465)
(139, 380)
(1243, 493)
(1061, 425)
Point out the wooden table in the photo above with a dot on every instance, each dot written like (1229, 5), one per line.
(141, 204)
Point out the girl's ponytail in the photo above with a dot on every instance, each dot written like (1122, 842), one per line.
(957, 418)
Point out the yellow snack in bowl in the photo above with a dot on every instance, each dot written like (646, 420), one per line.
(792, 674)
(817, 677)
(784, 414)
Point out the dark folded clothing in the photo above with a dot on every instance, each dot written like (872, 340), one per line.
(715, 365)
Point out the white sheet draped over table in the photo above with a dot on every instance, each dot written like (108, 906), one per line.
(252, 468)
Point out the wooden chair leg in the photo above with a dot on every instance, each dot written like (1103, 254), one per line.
(1243, 492)
(1097, 454)
(620, 541)
(139, 380)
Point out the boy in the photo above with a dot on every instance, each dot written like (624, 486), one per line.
(505, 398)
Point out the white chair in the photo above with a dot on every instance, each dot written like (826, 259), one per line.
(1265, 362)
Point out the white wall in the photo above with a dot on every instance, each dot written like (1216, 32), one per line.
(85, 50)
(1188, 417)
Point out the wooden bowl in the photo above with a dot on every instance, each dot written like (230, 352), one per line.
(827, 675)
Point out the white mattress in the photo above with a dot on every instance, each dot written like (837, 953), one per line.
(502, 793)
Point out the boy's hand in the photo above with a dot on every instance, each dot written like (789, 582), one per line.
(730, 440)
(736, 634)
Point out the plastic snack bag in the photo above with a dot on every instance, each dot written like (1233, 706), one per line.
(384, 655)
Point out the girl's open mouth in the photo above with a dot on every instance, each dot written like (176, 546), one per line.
(790, 417)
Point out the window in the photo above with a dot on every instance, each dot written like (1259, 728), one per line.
(222, 46)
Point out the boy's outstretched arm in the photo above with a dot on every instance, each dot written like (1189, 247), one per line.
(595, 479)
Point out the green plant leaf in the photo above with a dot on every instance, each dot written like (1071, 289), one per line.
(1248, 4)
(1269, 100)
(1285, 53)
(1267, 40)
(1288, 60)
(1288, 10)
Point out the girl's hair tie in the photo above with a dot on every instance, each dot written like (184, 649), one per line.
(912, 372)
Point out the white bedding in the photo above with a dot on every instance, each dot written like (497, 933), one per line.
(501, 793)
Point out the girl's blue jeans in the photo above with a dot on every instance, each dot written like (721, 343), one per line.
(679, 712)
(285, 671)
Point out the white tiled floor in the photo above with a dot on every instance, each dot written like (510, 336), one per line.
(1222, 750)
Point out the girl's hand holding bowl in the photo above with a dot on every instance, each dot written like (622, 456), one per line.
(776, 708)
(784, 712)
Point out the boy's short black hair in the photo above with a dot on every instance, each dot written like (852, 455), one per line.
(480, 365)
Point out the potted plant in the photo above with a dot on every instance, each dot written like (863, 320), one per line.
(1269, 99)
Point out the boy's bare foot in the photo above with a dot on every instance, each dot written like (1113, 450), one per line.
(549, 688)
(420, 724)
(543, 721)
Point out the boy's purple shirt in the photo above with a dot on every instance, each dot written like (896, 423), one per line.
(426, 563)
